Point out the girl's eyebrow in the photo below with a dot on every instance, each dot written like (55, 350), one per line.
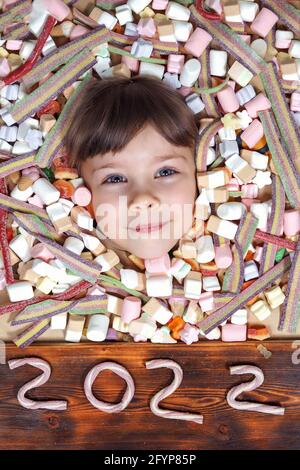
(158, 158)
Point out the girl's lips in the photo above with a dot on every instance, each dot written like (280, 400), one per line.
(148, 228)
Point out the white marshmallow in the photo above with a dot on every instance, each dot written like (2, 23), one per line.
(74, 244)
(240, 317)
(20, 290)
(190, 72)
(21, 247)
(205, 249)
(250, 270)
(159, 286)
(210, 283)
(46, 191)
(218, 63)
(98, 327)
(231, 210)
(245, 94)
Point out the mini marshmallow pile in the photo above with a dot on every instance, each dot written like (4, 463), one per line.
(240, 236)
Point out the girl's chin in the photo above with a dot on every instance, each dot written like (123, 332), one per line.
(153, 250)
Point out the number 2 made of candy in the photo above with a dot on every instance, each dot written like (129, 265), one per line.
(60, 405)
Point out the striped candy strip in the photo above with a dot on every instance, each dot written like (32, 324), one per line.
(55, 138)
(234, 275)
(107, 282)
(202, 143)
(160, 47)
(230, 41)
(288, 14)
(16, 307)
(87, 270)
(16, 163)
(89, 305)
(221, 299)
(274, 224)
(290, 85)
(284, 118)
(205, 81)
(52, 87)
(32, 333)
(4, 245)
(18, 31)
(64, 53)
(283, 164)
(115, 271)
(15, 13)
(291, 307)
(278, 241)
(238, 301)
(122, 52)
(43, 310)
(35, 225)
(11, 205)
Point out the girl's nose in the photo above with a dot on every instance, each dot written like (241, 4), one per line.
(143, 201)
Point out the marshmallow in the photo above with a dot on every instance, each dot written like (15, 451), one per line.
(210, 283)
(175, 11)
(291, 222)
(131, 309)
(260, 211)
(46, 191)
(228, 100)
(259, 103)
(59, 321)
(231, 210)
(21, 290)
(231, 332)
(283, 39)
(114, 304)
(228, 148)
(250, 270)
(261, 310)
(275, 297)
(253, 133)
(144, 326)
(245, 94)
(240, 74)
(294, 49)
(157, 311)
(223, 256)
(74, 328)
(260, 46)
(206, 301)
(223, 228)
(218, 63)
(20, 246)
(107, 260)
(205, 249)
(248, 10)
(190, 72)
(158, 265)
(132, 279)
(198, 42)
(74, 244)
(193, 313)
(239, 317)
(193, 285)
(257, 160)
(240, 168)
(98, 327)
(159, 285)
(264, 22)
(213, 179)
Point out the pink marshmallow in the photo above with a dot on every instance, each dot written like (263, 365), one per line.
(228, 100)
(158, 265)
(13, 44)
(159, 4)
(57, 8)
(2, 279)
(146, 27)
(248, 201)
(175, 63)
(249, 190)
(223, 256)
(42, 252)
(131, 62)
(36, 201)
(82, 196)
(291, 222)
(77, 31)
(253, 133)
(258, 254)
(197, 42)
(264, 22)
(4, 67)
(295, 102)
(259, 103)
(131, 309)
(232, 332)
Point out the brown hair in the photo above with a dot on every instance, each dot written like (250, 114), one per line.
(112, 110)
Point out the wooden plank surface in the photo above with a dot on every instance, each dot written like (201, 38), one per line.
(205, 384)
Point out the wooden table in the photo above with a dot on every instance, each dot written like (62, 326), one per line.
(205, 384)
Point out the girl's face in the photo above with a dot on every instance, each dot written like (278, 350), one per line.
(150, 183)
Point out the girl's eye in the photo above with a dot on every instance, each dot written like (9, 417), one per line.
(114, 179)
(167, 172)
